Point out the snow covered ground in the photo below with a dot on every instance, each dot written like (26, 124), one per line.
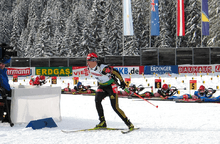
(169, 123)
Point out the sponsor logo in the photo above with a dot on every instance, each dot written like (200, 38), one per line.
(19, 71)
(53, 71)
(128, 70)
(195, 69)
(161, 69)
(164, 68)
(217, 68)
(80, 71)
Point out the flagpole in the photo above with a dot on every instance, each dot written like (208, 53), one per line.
(123, 28)
(176, 20)
(201, 24)
(150, 26)
(123, 32)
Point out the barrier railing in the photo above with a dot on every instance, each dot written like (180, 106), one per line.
(148, 56)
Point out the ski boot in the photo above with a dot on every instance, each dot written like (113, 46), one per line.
(102, 123)
(129, 124)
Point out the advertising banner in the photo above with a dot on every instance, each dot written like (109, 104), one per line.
(127, 70)
(19, 71)
(196, 69)
(54, 71)
(80, 71)
(217, 68)
(161, 69)
(124, 70)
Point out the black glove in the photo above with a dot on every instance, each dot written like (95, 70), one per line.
(122, 85)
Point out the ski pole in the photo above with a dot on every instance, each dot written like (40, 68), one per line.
(142, 98)
(146, 100)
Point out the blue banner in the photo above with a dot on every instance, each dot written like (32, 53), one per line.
(205, 18)
(161, 69)
(155, 25)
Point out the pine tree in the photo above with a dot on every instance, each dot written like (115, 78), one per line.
(45, 34)
(108, 28)
(34, 15)
(5, 21)
(167, 37)
(73, 28)
(104, 44)
(141, 19)
(5, 27)
(67, 40)
(80, 22)
(95, 25)
(193, 24)
(20, 19)
(115, 37)
(113, 28)
(22, 44)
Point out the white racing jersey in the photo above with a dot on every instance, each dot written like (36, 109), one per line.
(98, 75)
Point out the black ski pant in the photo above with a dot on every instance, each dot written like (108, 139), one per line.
(111, 91)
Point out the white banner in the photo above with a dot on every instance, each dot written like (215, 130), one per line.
(127, 18)
(199, 68)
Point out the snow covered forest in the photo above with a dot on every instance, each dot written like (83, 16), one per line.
(72, 28)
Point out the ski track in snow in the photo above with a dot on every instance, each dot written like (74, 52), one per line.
(170, 123)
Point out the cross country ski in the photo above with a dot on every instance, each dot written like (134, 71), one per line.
(91, 129)
(123, 130)
(128, 130)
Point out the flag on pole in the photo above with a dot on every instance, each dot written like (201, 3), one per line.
(155, 25)
(180, 18)
(205, 18)
(127, 18)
